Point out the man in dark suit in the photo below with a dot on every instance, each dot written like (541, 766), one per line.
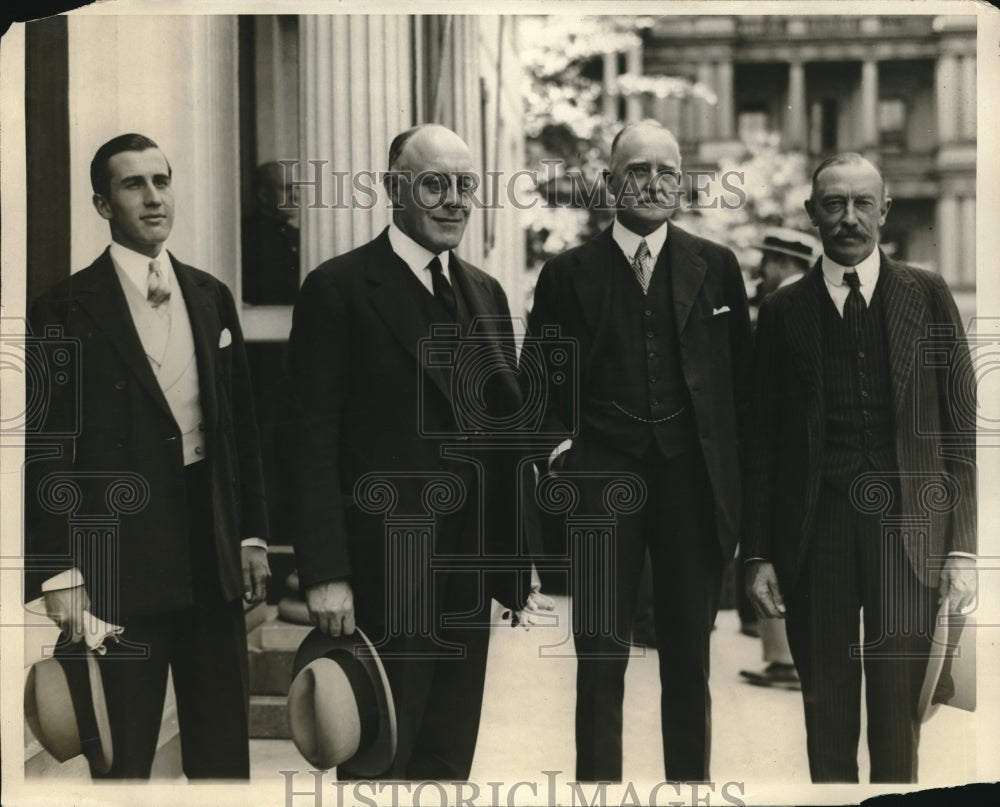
(861, 488)
(166, 442)
(661, 321)
(405, 525)
(270, 239)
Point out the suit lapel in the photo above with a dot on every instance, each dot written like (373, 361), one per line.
(804, 337)
(205, 330)
(905, 314)
(100, 293)
(493, 323)
(687, 272)
(392, 296)
(592, 280)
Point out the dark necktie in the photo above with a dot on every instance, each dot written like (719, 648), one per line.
(442, 288)
(854, 306)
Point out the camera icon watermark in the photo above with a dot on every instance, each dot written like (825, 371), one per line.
(496, 395)
(49, 364)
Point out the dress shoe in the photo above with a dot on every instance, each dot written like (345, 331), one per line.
(775, 675)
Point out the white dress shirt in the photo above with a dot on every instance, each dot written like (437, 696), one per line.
(417, 257)
(629, 242)
(833, 275)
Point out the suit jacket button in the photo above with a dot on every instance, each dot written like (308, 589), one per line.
(121, 383)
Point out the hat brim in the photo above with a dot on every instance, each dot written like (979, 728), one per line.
(379, 754)
(783, 251)
(950, 678)
(53, 716)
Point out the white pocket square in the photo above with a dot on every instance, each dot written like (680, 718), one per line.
(225, 338)
(723, 310)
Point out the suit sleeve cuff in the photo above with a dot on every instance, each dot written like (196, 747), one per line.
(963, 555)
(71, 578)
(258, 542)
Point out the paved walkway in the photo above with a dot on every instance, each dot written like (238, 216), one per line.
(759, 735)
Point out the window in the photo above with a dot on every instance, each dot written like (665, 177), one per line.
(752, 123)
(269, 133)
(823, 124)
(892, 124)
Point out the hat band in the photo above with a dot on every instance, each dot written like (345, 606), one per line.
(75, 667)
(364, 694)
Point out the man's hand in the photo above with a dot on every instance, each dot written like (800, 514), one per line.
(331, 607)
(959, 583)
(763, 590)
(535, 603)
(65, 607)
(256, 573)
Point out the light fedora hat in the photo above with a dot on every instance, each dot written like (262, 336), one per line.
(340, 707)
(65, 708)
(950, 678)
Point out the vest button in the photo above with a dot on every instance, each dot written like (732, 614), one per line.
(121, 383)
(861, 354)
(648, 313)
(650, 334)
(652, 379)
(652, 355)
(197, 450)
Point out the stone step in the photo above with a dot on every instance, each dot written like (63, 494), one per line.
(275, 634)
(267, 717)
(270, 671)
(258, 613)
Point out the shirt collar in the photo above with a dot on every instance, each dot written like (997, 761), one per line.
(867, 270)
(629, 241)
(135, 265)
(413, 254)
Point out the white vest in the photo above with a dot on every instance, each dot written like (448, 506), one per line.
(169, 346)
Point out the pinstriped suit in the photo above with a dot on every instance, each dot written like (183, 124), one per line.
(831, 556)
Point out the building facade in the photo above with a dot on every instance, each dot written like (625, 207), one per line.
(901, 90)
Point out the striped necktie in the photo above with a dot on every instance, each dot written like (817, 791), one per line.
(642, 265)
(157, 292)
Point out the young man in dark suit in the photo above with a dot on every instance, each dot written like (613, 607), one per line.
(661, 321)
(406, 524)
(166, 443)
(861, 483)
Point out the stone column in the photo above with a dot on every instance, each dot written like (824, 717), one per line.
(869, 104)
(633, 103)
(724, 90)
(609, 94)
(948, 238)
(345, 62)
(946, 92)
(967, 96)
(705, 113)
(795, 120)
(967, 218)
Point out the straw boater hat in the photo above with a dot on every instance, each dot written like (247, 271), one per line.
(64, 706)
(789, 242)
(340, 707)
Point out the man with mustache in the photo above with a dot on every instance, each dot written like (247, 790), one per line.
(662, 326)
(861, 483)
(371, 410)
